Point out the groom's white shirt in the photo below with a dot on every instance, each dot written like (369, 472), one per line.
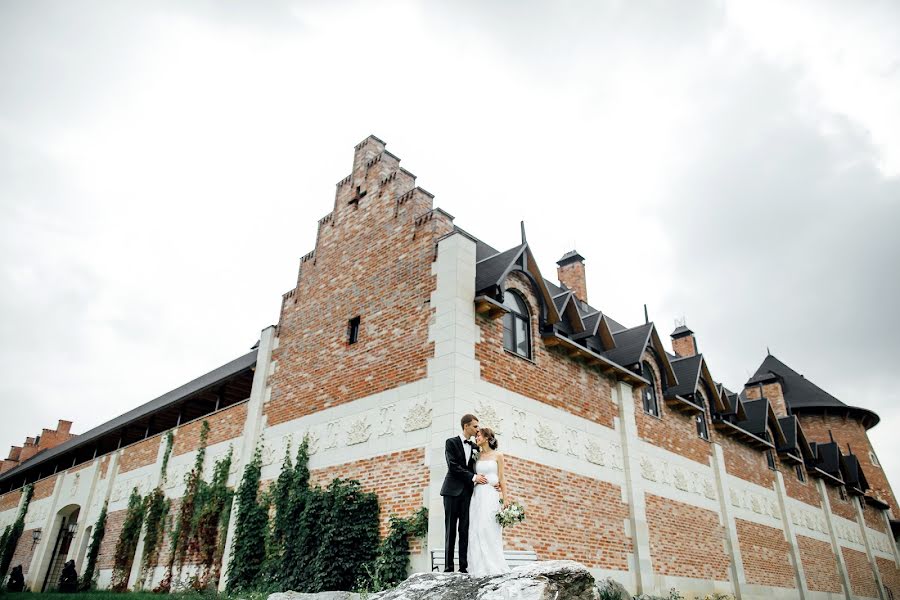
(468, 450)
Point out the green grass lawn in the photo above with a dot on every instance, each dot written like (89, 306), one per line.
(103, 595)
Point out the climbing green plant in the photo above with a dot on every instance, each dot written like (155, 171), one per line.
(127, 542)
(392, 563)
(249, 546)
(87, 578)
(211, 523)
(288, 549)
(14, 532)
(348, 536)
(155, 515)
(184, 524)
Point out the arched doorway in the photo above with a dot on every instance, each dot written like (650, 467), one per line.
(65, 525)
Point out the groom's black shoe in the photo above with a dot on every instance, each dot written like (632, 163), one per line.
(463, 571)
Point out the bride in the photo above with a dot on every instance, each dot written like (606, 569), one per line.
(485, 534)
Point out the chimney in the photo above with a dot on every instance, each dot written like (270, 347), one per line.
(14, 453)
(683, 342)
(570, 271)
(64, 427)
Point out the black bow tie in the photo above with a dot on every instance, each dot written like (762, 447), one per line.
(469, 443)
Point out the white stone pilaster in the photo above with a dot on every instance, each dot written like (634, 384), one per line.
(49, 532)
(253, 425)
(453, 370)
(732, 544)
(793, 547)
(870, 555)
(634, 489)
(835, 543)
(887, 527)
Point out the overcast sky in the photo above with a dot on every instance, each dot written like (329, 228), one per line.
(163, 166)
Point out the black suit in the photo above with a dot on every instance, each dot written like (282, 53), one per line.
(457, 493)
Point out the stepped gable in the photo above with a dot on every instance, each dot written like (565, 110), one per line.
(802, 395)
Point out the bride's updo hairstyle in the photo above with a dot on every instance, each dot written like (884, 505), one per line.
(488, 434)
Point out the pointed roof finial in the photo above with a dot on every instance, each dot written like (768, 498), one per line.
(646, 315)
(768, 352)
(522, 225)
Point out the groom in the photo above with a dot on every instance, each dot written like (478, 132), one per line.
(457, 491)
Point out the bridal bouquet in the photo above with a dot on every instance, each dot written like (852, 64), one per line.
(510, 515)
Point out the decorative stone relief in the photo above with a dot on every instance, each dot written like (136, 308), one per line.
(418, 417)
(546, 437)
(648, 469)
(331, 435)
(386, 420)
(572, 445)
(594, 453)
(519, 425)
(488, 417)
(359, 432)
(709, 490)
(268, 454)
(75, 481)
(617, 461)
(313, 439)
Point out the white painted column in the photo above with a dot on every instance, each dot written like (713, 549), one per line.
(894, 549)
(453, 370)
(49, 532)
(861, 521)
(86, 516)
(835, 543)
(634, 489)
(732, 544)
(253, 426)
(791, 537)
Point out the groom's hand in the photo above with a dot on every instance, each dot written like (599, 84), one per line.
(480, 479)
(497, 487)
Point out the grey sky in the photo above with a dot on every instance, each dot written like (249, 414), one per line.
(163, 165)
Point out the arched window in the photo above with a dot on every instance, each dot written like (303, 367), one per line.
(702, 429)
(516, 325)
(651, 402)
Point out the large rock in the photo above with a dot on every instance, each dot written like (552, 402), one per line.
(319, 596)
(550, 580)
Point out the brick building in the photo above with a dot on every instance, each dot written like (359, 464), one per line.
(631, 458)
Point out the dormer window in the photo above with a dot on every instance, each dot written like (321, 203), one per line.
(516, 325)
(702, 428)
(651, 402)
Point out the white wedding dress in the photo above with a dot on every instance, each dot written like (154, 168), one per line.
(485, 555)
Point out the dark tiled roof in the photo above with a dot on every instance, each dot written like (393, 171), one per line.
(757, 417)
(829, 458)
(853, 473)
(630, 345)
(802, 394)
(687, 370)
(197, 385)
(482, 250)
(490, 271)
(681, 331)
(570, 257)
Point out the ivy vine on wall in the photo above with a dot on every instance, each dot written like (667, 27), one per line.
(128, 541)
(87, 578)
(13, 532)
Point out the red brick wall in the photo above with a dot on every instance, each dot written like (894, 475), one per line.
(774, 394)
(140, 454)
(874, 518)
(551, 377)
(24, 551)
(372, 259)
(114, 522)
(672, 430)
(44, 488)
(804, 491)
(839, 507)
(764, 552)
(862, 580)
(224, 425)
(399, 479)
(890, 575)
(744, 462)
(850, 431)
(819, 565)
(685, 540)
(10, 499)
(568, 516)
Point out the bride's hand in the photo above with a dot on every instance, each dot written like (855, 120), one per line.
(506, 502)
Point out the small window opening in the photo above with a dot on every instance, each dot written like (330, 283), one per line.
(651, 402)
(770, 459)
(842, 493)
(358, 195)
(874, 459)
(353, 330)
(702, 428)
(801, 474)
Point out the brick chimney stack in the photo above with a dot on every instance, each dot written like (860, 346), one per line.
(570, 271)
(683, 342)
(49, 438)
